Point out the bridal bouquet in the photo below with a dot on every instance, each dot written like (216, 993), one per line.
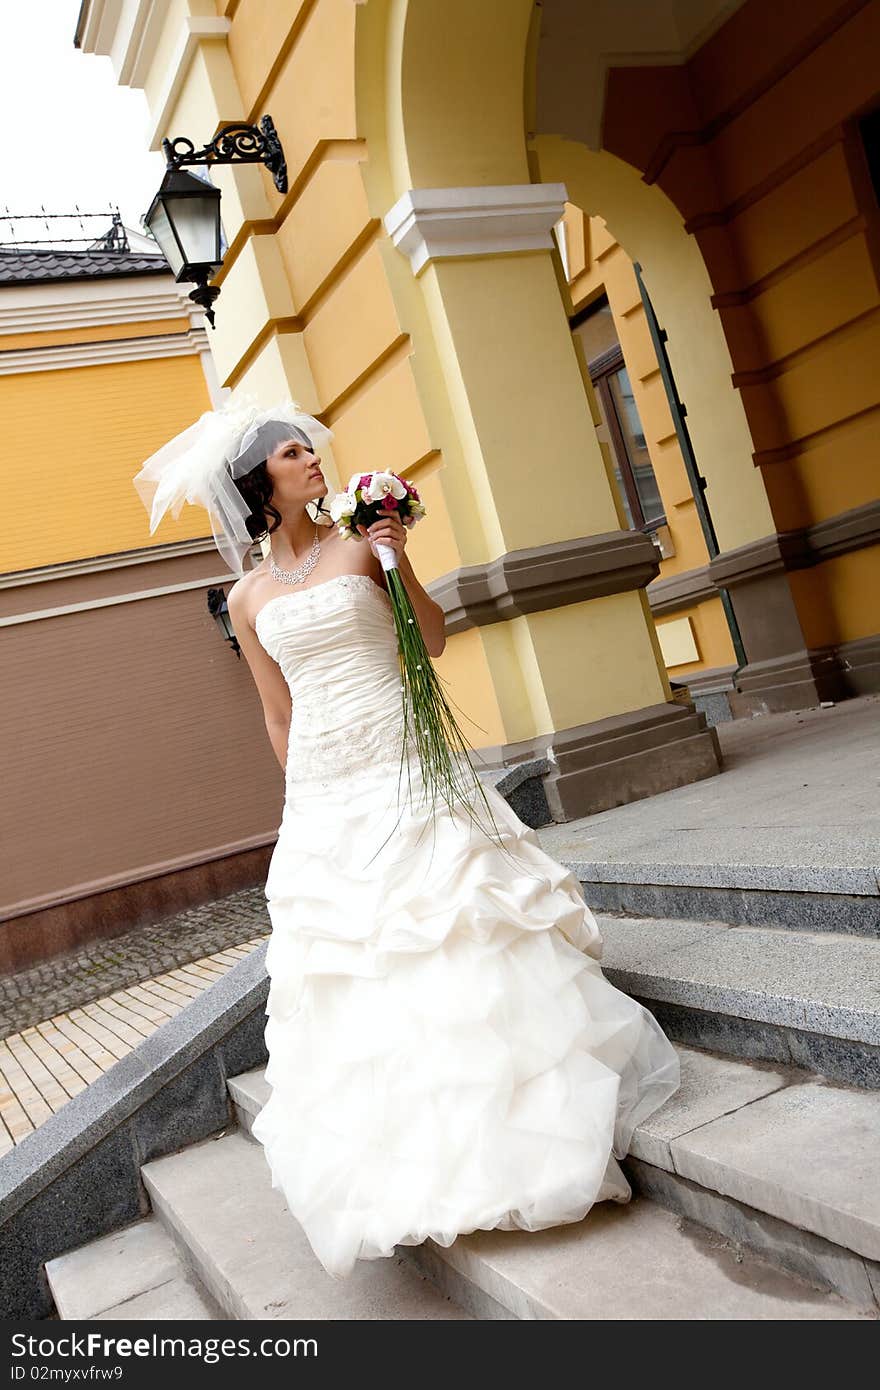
(427, 718)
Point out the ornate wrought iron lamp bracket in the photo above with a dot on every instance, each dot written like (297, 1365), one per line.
(233, 144)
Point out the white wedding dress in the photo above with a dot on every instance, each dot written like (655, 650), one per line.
(445, 1052)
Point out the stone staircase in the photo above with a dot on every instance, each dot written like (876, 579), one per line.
(756, 1194)
(805, 999)
(763, 960)
(763, 1205)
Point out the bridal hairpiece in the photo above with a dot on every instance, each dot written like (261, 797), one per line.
(200, 464)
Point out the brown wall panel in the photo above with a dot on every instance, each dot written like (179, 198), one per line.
(132, 739)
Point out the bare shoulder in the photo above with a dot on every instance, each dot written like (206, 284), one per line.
(240, 598)
(341, 556)
(248, 593)
(355, 557)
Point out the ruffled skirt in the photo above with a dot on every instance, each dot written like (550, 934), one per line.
(445, 1052)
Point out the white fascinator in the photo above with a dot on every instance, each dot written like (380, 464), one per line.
(199, 466)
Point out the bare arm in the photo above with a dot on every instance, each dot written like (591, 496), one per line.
(430, 615)
(271, 686)
(431, 618)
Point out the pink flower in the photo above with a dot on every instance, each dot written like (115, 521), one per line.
(389, 503)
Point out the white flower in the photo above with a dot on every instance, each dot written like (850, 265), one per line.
(343, 504)
(354, 483)
(381, 484)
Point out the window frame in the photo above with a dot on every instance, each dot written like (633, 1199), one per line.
(601, 369)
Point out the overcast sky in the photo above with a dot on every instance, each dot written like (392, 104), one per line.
(70, 134)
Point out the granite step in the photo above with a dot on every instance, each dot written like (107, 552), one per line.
(132, 1274)
(806, 999)
(727, 1151)
(249, 1092)
(631, 1262)
(754, 1199)
(832, 898)
(774, 1159)
(233, 1230)
(785, 842)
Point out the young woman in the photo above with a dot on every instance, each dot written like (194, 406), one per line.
(445, 1052)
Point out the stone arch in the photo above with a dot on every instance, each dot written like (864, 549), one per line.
(471, 265)
(651, 231)
(446, 68)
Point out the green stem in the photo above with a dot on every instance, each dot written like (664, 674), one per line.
(428, 722)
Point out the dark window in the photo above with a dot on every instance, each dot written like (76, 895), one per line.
(621, 426)
(869, 129)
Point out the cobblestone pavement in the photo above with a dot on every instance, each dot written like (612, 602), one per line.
(44, 1064)
(97, 969)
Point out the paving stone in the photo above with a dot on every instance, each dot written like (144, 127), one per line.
(109, 1270)
(710, 1087)
(808, 1154)
(102, 967)
(254, 1257)
(178, 1300)
(810, 1257)
(630, 1262)
(139, 1269)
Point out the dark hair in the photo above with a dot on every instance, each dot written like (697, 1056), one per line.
(256, 487)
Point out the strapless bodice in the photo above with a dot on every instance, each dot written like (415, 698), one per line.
(336, 645)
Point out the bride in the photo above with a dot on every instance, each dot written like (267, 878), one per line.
(445, 1052)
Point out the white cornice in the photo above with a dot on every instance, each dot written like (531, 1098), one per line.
(127, 32)
(54, 359)
(33, 307)
(195, 30)
(101, 22)
(429, 224)
(141, 41)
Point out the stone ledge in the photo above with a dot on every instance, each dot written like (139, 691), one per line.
(78, 1175)
(522, 787)
(798, 1252)
(822, 983)
(816, 910)
(546, 576)
(626, 757)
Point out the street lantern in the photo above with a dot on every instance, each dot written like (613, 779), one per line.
(219, 610)
(184, 216)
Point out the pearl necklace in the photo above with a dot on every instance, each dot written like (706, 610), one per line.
(298, 575)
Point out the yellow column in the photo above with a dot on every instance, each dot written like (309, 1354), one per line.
(532, 461)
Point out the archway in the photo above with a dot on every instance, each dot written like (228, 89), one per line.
(562, 631)
(651, 231)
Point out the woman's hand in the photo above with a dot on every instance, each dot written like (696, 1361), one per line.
(389, 530)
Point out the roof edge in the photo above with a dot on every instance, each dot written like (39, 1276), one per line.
(80, 24)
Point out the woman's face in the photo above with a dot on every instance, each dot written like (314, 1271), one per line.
(295, 471)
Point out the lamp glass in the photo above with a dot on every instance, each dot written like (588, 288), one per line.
(158, 223)
(185, 220)
(196, 222)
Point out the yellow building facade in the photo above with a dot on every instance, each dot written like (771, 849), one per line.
(611, 320)
(102, 358)
(412, 290)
